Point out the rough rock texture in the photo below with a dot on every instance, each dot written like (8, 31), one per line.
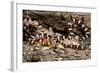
(57, 20)
(31, 54)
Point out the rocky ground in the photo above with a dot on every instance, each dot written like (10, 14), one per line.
(39, 54)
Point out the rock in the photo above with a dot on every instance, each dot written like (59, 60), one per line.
(35, 59)
(59, 59)
(61, 53)
(40, 27)
(45, 52)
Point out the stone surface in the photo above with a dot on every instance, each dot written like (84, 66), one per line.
(31, 54)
